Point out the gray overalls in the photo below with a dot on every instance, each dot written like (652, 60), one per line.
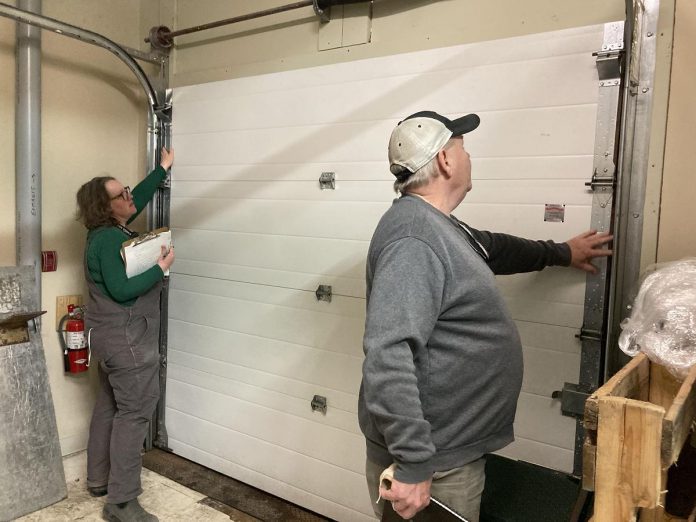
(124, 343)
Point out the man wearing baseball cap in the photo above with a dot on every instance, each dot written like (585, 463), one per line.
(443, 359)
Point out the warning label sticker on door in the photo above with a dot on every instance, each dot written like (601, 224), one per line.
(554, 213)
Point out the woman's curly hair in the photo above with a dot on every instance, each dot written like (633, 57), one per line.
(94, 203)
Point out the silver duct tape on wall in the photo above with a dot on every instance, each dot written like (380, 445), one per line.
(32, 474)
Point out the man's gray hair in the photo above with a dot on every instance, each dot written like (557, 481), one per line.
(422, 176)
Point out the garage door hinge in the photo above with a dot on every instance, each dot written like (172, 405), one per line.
(327, 180)
(573, 397)
(319, 404)
(610, 57)
(587, 334)
(600, 183)
(609, 68)
(323, 293)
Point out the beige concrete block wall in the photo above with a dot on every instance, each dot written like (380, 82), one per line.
(93, 123)
(677, 238)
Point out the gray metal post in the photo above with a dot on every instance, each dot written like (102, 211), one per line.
(28, 146)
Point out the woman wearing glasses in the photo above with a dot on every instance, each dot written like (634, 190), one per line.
(122, 321)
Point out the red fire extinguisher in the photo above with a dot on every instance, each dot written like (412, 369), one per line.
(71, 332)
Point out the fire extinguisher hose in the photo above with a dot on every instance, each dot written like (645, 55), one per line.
(63, 344)
(89, 346)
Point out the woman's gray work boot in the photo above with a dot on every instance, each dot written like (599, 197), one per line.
(130, 511)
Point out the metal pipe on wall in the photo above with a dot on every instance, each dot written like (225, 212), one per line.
(84, 35)
(155, 102)
(28, 146)
(163, 37)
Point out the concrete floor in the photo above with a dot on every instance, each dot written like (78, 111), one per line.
(167, 499)
(175, 489)
(227, 494)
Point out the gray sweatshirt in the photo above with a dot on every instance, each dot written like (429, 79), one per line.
(443, 359)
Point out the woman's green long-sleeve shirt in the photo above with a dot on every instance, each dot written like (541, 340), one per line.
(104, 251)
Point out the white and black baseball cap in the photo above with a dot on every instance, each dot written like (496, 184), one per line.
(417, 139)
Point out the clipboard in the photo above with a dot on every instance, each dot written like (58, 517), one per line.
(436, 511)
(142, 253)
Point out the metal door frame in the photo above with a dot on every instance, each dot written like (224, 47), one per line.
(626, 70)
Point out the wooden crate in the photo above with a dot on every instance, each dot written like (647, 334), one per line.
(635, 427)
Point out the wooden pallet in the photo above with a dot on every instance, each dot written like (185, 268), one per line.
(635, 427)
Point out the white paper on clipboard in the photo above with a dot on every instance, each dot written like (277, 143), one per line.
(141, 253)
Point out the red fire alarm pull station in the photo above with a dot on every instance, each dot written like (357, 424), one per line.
(49, 261)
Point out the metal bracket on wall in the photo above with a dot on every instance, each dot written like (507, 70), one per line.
(327, 180)
(324, 293)
(322, 11)
(573, 399)
(319, 404)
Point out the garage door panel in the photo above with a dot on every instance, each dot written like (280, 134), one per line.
(569, 42)
(311, 144)
(255, 235)
(281, 409)
(539, 418)
(310, 255)
(549, 337)
(278, 463)
(345, 220)
(546, 133)
(553, 285)
(525, 220)
(550, 168)
(344, 286)
(273, 427)
(324, 331)
(307, 191)
(296, 386)
(507, 168)
(357, 220)
(528, 192)
(341, 307)
(506, 191)
(278, 365)
(283, 171)
(314, 105)
(546, 371)
(552, 131)
(572, 41)
(539, 454)
(534, 311)
(293, 262)
(353, 486)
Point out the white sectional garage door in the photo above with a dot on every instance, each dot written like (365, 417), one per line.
(250, 344)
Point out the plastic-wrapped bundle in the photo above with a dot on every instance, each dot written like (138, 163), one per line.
(663, 320)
